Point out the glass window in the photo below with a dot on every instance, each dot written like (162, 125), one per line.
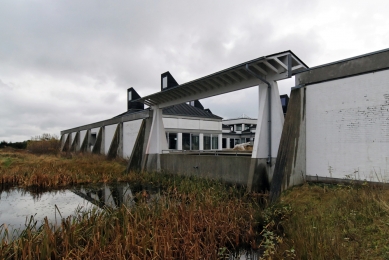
(238, 127)
(195, 142)
(172, 140)
(164, 82)
(237, 141)
(185, 141)
(232, 143)
(129, 95)
(246, 127)
(215, 142)
(207, 142)
(224, 142)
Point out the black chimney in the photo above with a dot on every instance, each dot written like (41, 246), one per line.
(133, 95)
(167, 81)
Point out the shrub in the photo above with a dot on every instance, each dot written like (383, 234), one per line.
(44, 144)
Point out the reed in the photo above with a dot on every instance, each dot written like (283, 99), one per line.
(180, 225)
(53, 171)
(195, 218)
(337, 222)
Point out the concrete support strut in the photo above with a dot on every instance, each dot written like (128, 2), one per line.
(157, 139)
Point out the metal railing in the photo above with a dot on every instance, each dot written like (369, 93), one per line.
(209, 152)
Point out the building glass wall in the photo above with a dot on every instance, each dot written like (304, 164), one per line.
(172, 140)
(195, 142)
(215, 143)
(185, 141)
(207, 142)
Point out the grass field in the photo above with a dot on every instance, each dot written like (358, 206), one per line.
(197, 218)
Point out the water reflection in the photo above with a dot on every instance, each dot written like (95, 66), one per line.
(18, 205)
(114, 195)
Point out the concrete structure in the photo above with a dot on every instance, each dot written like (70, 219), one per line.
(242, 129)
(263, 72)
(187, 125)
(336, 128)
(337, 125)
(144, 135)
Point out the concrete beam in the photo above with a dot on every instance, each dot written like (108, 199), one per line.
(346, 68)
(112, 121)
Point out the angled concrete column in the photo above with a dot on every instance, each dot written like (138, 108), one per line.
(220, 142)
(201, 143)
(261, 142)
(228, 143)
(157, 139)
(261, 168)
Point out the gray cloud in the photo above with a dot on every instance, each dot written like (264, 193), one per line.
(69, 63)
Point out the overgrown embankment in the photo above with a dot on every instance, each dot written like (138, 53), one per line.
(198, 218)
(53, 171)
(194, 219)
(337, 221)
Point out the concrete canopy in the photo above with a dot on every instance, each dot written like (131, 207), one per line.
(272, 68)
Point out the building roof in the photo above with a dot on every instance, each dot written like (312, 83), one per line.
(272, 67)
(188, 110)
(179, 110)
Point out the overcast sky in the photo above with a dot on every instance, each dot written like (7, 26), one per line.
(68, 63)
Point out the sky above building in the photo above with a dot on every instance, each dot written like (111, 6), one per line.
(68, 63)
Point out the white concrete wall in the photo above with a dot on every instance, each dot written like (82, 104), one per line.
(210, 125)
(130, 133)
(94, 131)
(347, 128)
(184, 123)
(82, 136)
(65, 136)
(109, 133)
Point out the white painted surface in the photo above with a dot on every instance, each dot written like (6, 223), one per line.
(210, 125)
(201, 143)
(169, 122)
(348, 128)
(195, 124)
(157, 139)
(179, 141)
(261, 146)
(109, 133)
(188, 123)
(73, 135)
(220, 142)
(130, 133)
(63, 139)
(82, 136)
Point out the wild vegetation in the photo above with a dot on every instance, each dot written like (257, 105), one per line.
(337, 221)
(197, 218)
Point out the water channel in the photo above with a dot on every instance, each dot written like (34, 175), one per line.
(17, 205)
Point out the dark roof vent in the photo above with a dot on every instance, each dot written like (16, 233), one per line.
(133, 95)
(167, 81)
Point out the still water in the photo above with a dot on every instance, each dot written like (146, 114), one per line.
(18, 205)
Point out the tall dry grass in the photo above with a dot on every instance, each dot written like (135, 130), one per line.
(195, 219)
(44, 144)
(51, 171)
(166, 229)
(337, 222)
